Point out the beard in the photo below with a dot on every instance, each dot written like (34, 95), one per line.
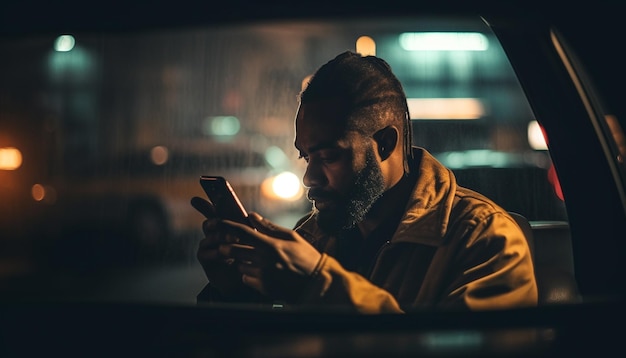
(349, 209)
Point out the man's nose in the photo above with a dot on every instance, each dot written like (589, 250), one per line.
(313, 176)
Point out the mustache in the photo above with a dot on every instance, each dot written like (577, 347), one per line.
(313, 194)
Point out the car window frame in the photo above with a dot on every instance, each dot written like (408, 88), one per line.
(548, 84)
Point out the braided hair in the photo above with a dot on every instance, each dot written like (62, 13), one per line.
(373, 95)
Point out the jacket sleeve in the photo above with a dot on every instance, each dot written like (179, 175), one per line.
(332, 285)
(494, 270)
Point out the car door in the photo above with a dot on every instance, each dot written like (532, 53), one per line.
(555, 59)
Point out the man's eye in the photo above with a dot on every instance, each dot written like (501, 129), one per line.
(330, 158)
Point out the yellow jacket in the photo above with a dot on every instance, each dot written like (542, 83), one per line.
(454, 248)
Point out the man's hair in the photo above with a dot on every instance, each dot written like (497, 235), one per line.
(373, 95)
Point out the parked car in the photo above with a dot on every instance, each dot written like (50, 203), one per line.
(137, 204)
(559, 65)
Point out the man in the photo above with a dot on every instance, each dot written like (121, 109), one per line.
(390, 230)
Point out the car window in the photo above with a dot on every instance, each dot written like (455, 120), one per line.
(103, 137)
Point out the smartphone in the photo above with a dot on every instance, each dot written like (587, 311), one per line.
(226, 202)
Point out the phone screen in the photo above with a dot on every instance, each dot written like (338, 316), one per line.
(223, 197)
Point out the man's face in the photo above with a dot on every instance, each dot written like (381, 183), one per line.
(343, 174)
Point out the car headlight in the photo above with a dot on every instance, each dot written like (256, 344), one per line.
(284, 186)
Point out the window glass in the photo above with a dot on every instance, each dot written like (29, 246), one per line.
(103, 138)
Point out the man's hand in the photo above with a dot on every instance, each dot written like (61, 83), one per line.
(274, 260)
(220, 269)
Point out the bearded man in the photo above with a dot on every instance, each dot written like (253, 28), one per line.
(390, 230)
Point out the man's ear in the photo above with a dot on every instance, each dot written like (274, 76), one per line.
(387, 140)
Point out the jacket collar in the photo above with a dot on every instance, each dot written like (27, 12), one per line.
(428, 210)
